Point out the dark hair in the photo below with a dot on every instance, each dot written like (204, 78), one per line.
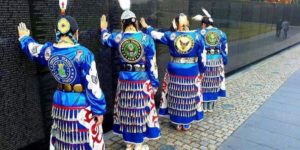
(206, 21)
(130, 21)
(73, 28)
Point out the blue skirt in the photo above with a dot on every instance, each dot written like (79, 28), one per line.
(72, 121)
(213, 83)
(181, 96)
(135, 116)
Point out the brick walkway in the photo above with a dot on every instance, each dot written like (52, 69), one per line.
(247, 91)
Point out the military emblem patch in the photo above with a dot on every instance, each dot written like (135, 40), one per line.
(212, 38)
(184, 44)
(173, 36)
(118, 38)
(62, 68)
(203, 32)
(47, 53)
(131, 50)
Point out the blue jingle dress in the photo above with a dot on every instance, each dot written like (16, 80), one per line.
(135, 116)
(73, 126)
(181, 92)
(214, 78)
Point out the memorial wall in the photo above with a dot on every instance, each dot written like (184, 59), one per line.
(26, 89)
(21, 121)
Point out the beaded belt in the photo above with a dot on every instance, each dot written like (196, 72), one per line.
(70, 88)
(213, 51)
(184, 60)
(132, 67)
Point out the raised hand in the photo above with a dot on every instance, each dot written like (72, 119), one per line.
(143, 23)
(99, 120)
(22, 30)
(103, 22)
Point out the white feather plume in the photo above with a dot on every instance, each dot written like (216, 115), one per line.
(206, 13)
(174, 24)
(125, 4)
(182, 17)
(198, 18)
(63, 4)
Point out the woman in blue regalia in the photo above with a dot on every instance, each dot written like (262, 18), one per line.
(217, 49)
(181, 93)
(135, 116)
(78, 102)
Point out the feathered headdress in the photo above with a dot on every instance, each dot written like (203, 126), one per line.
(125, 5)
(200, 17)
(63, 6)
(174, 24)
(63, 24)
(206, 13)
(182, 17)
(66, 25)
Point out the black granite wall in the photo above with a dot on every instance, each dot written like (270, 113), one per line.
(26, 89)
(21, 122)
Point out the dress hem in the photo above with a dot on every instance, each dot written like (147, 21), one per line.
(128, 142)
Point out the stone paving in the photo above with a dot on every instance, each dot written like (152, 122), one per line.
(247, 91)
(275, 125)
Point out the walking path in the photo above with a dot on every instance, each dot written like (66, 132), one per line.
(276, 125)
(247, 91)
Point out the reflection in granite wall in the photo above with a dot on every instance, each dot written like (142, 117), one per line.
(26, 89)
(20, 116)
(250, 27)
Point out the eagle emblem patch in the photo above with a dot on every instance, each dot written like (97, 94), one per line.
(184, 43)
